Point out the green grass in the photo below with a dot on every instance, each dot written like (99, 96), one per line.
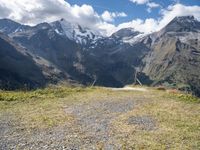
(51, 92)
(186, 98)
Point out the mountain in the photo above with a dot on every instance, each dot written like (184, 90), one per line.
(42, 40)
(79, 34)
(182, 24)
(82, 61)
(8, 26)
(65, 51)
(174, 58)
(17, 68)
(127, 35)
(20, 68)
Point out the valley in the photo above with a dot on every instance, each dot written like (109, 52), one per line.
(99, 75)
(61, 51)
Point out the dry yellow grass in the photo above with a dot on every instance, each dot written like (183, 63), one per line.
(175, 117)
(177, 124)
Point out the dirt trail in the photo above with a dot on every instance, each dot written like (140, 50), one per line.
(128, 88)
(92, 126)
(95, 120)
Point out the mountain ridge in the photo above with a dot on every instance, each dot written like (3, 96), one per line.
(167, 57)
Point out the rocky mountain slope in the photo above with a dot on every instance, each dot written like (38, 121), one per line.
(8, 26)
(17, 68)
(174, 58)
(71, 52)
(105, 59)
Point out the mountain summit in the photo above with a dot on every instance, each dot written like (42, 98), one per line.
(8, 26)
(183, 24)
(73, 31)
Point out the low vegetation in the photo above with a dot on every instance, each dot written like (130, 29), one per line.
(99, 118)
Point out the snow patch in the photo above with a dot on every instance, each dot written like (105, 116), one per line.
(77, 33)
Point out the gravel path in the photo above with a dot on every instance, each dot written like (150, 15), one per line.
(95, 119)
(142, 122)
(91, 127)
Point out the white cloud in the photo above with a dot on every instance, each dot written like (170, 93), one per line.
(140, 1)
(121, 14)
(151, 25)
(153, 5)
(149, 10)
(109, 16)
(145, 26)
(106, 28)
(37, 11)
(150, 5)
(178, 10)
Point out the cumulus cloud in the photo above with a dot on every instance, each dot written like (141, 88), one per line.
(110, 16)
(150, 5)
(145, 26)
(37, 11)
(140, 1)
(151, 25)
(178, 10)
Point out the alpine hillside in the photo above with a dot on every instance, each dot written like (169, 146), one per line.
(62, 51)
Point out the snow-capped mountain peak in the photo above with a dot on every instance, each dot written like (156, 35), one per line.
(73, 31)
(8, 26)
(125, 32)
(127, 35)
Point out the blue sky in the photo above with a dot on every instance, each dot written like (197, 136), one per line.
(132, 10)
(103, 16)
